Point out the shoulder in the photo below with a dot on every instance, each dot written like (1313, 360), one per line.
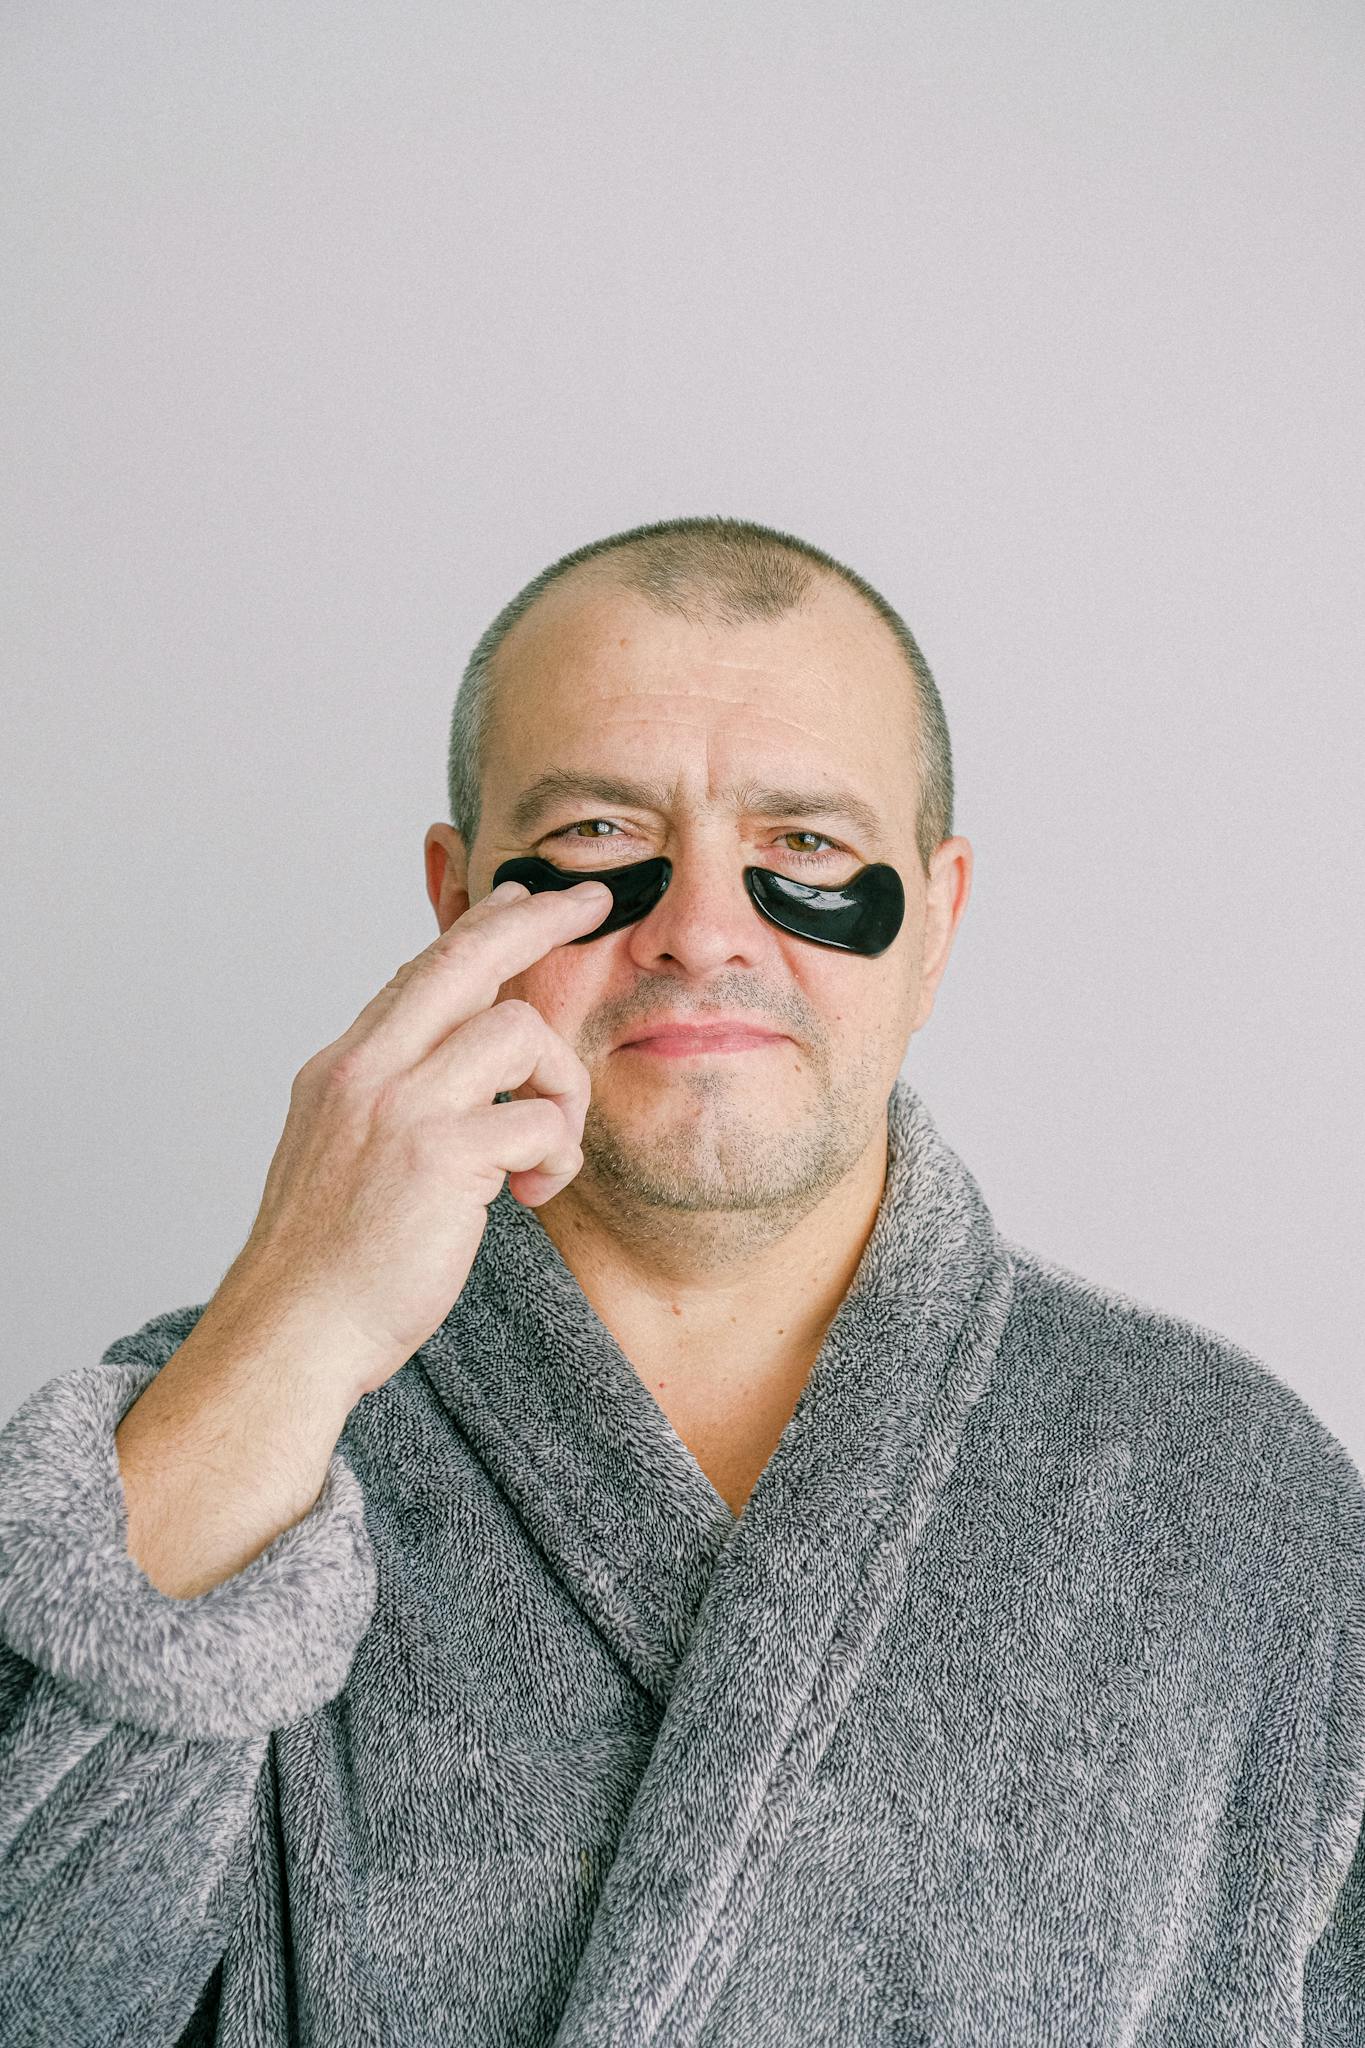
(1200, 1415)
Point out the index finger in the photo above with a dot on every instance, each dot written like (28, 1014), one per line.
(462, 970)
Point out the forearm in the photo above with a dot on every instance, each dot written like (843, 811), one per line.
(229, 1445)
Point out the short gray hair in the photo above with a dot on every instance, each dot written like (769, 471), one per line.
(703, 569)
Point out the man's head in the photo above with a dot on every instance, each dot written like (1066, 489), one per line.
(703, 662)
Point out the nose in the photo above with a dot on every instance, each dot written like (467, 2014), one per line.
(705, 918)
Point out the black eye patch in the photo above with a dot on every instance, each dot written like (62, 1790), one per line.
(861, 916)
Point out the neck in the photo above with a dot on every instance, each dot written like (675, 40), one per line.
(700, 1296)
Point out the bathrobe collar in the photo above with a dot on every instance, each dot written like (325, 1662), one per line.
(601, 1481)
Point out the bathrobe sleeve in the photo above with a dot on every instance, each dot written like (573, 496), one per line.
(1334, 1975)
(133, 1726)
(1334, 1971)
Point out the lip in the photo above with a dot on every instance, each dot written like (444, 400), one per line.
(674, 1040)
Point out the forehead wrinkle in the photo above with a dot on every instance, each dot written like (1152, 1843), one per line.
(643, 711)
(747, 796)
(655, 708)
(645, 701)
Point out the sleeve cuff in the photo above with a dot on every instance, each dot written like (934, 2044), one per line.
(266, 1647)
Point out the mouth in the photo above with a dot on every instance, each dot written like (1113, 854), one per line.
(684, 1042)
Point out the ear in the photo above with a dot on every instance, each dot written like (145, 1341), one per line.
(949, 885)
(447, 867)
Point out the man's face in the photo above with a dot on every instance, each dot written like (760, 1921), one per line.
(594, 682)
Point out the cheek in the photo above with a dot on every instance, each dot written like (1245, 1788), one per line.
(847, 992)
(563, 991)
(861, 1000)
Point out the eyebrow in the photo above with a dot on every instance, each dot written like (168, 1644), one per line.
(562, 786)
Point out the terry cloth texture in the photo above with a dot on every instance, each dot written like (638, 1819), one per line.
(1023, 1707)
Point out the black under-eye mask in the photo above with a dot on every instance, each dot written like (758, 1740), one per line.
(860, 916)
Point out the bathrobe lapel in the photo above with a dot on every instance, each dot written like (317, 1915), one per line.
(750, 1634)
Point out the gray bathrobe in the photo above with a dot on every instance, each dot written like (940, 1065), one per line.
(1023, 1707)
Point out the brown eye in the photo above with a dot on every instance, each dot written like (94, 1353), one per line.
(809, 854)
(571, 831)
(584, 834)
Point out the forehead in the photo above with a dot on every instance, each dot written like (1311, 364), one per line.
(594, 668)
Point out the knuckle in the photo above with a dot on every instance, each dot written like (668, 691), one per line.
(307, 1076)
(547, 1126)
(460, 941)
(405, 972)
(346, 1072)
(517, 1014)
(464, 960)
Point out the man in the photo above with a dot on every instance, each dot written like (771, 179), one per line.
(764, 1605)
(725, 1198)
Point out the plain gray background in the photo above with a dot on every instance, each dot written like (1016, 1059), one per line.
(329, 327)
